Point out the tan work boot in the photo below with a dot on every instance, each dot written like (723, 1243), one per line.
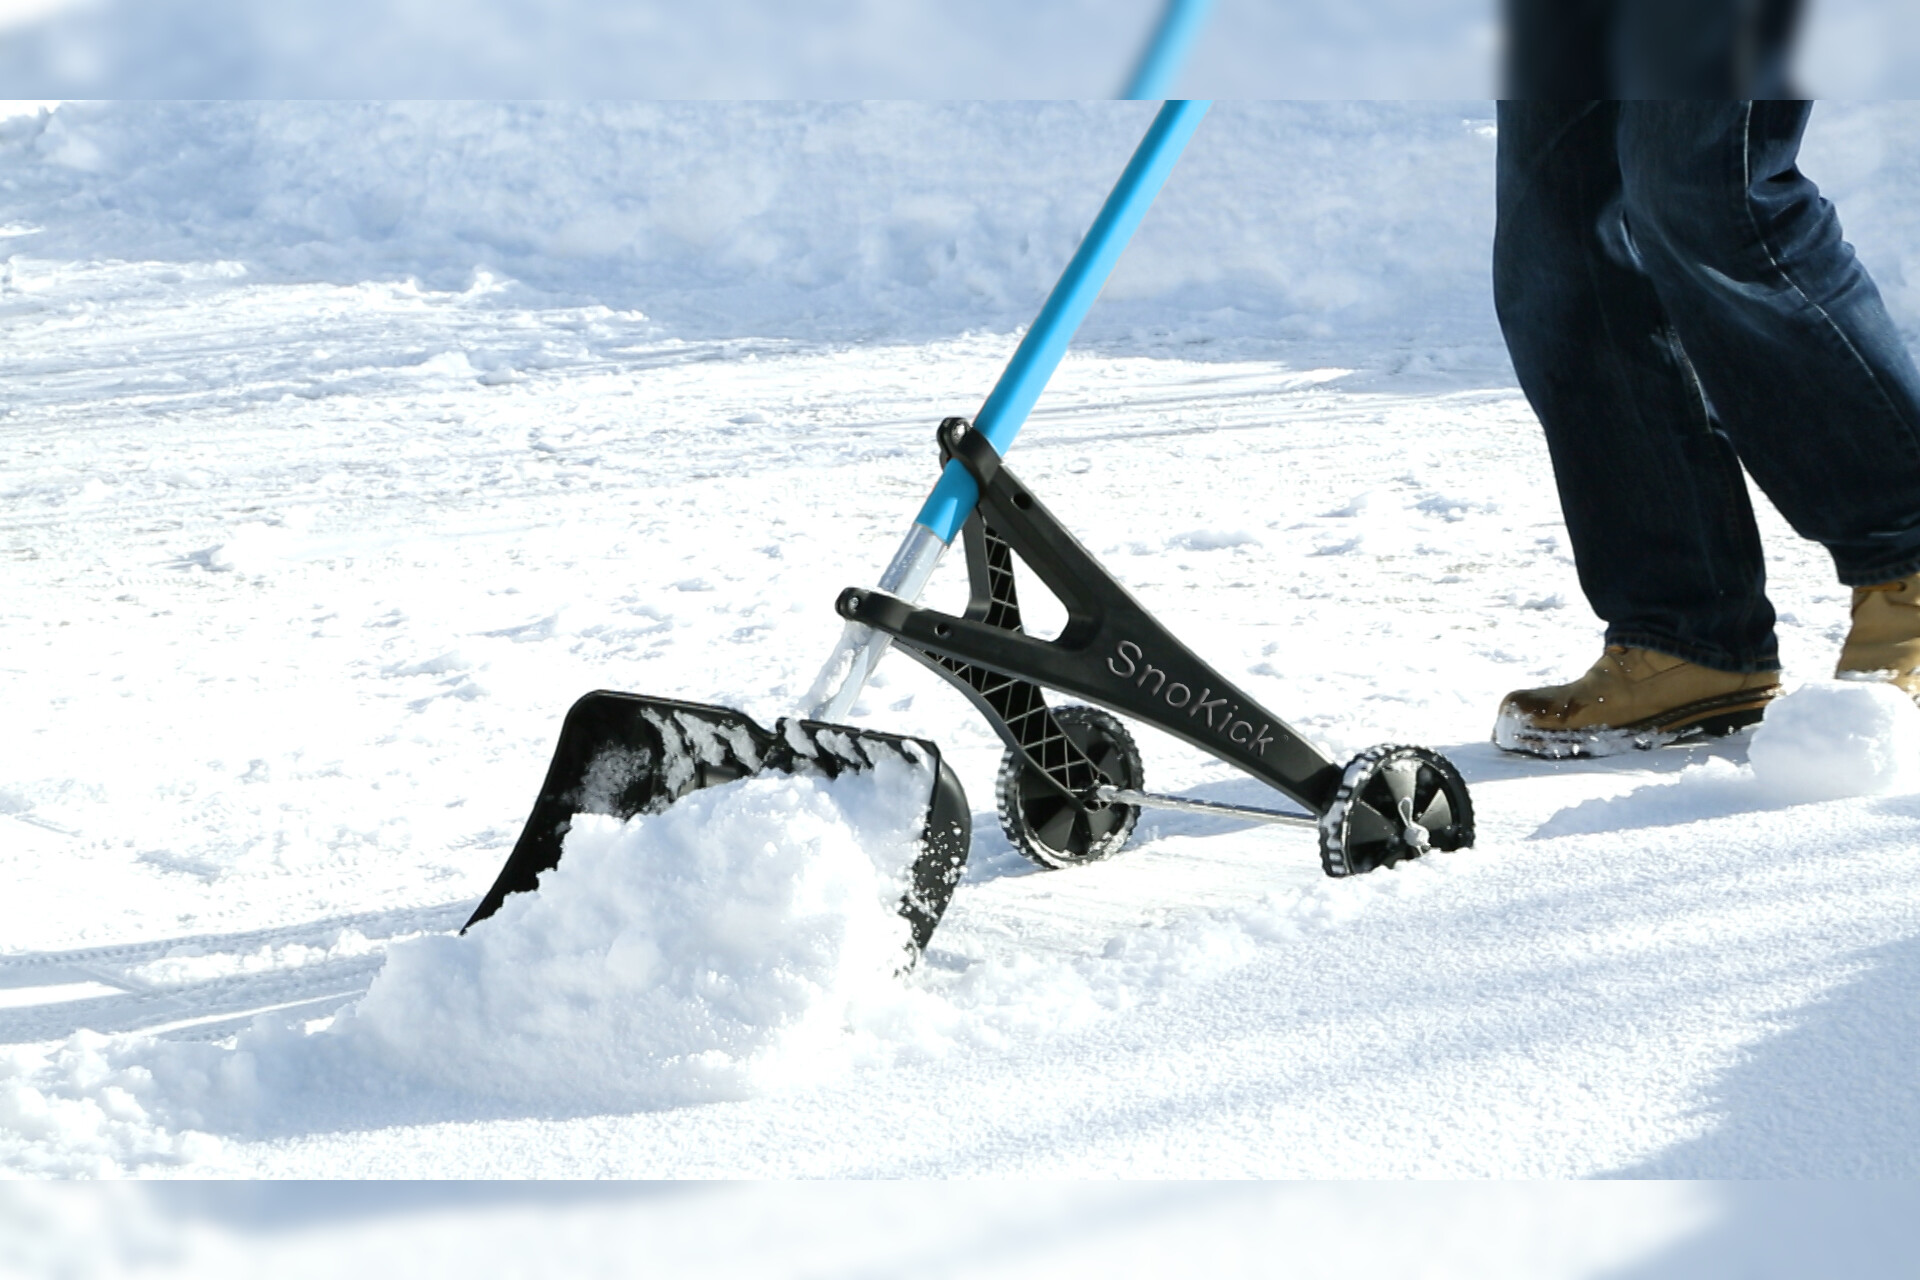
(1631, 698)
(1884, 643)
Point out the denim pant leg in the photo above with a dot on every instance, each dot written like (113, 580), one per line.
(1656, 508)
(1803, 367)
(1564, 49)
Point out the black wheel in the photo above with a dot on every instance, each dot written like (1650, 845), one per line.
(1394, 803)
(1045, 825)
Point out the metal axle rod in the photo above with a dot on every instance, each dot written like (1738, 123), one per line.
(1211, 808)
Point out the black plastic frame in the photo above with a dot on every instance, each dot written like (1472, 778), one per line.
(1112, 652)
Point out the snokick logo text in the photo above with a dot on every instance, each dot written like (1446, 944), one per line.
(1129, 662)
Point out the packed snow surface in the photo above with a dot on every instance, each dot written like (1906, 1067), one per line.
(964, 1230)
(310, 533)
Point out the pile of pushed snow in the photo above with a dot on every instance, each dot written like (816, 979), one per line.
(1834, 738)
(705, 952)
(745, 940)
(748, 939)
(1826, 740)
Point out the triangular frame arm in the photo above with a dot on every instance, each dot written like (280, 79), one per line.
(1112, 652)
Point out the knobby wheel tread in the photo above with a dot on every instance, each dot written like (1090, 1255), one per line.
(1046, 827)
(1365, 827)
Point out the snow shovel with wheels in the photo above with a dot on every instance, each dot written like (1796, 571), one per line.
(623, 755)
(1071, 782)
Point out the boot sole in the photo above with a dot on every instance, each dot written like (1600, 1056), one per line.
(1707, 718)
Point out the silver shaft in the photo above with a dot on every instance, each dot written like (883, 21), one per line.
(1180, 804)
(839, 683)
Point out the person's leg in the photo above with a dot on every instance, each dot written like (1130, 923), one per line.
(1564, 49)
(1657, 511)
(1672, 49)
(1789, 337)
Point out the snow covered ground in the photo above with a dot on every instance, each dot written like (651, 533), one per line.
(964, 1230)
(301, 561)
(846, 49)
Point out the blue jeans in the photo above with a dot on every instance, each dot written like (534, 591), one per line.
(1678, 302)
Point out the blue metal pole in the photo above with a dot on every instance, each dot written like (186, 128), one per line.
(1039, 353)
(953, 498)
(1172, 40)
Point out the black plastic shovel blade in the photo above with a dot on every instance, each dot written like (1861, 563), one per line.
(622, 755)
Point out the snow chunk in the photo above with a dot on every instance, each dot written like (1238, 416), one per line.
(1356, 506)
(251, 550)
(1834, 738)
(1212, 540)
(81, 1111)
(443, 664)
(1450, 508)
(448, 364)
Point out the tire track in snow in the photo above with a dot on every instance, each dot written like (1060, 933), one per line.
(236, 999)
(233, 998)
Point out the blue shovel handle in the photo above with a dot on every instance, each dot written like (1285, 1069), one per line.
(1173, 39)
(1026, 375)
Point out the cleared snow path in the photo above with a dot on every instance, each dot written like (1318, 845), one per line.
(299, 579)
